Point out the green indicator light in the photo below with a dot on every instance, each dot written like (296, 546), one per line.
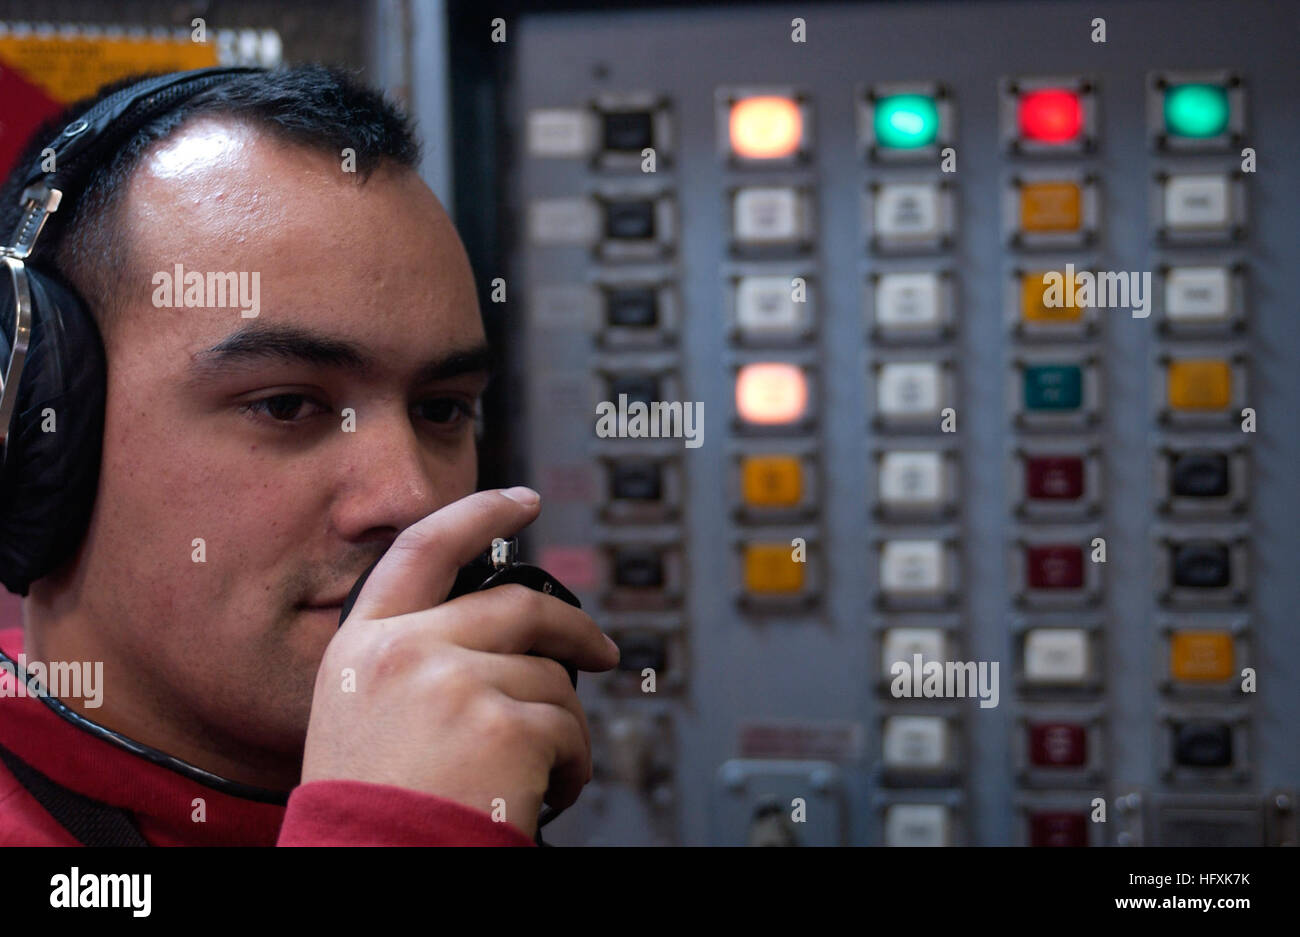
(906, 121)
(1196, 110)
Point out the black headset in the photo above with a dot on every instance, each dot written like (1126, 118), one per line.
(52, 388)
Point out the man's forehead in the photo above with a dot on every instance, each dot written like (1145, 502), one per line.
(203, 144)
(223, 199)
(220, 174)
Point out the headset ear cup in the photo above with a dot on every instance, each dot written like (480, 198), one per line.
(51, 467)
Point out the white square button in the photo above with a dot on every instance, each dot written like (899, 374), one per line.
(915, 742)
(911, 479)
(766, 306)
(916, 825)
(768, 215)
(555, 132)
(912, 566)
(907, 301)
(908, 389)
(907, 212)
(563, 221)
(1056, 655)
(1197, 294)
(1196, 202)
(903, 644)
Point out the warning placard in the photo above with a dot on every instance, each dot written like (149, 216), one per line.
(66, 69)
(41, 73)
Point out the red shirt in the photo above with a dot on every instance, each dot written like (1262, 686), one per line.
(162, 801)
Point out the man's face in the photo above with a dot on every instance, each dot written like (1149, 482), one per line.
(233, 430)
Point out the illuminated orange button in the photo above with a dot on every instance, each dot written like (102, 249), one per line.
(771, 393)
(1200, 384)
(771, 480)
(765, 128)
(1036, 291)
(1201, 656)
(1050, 207)
(770, 569)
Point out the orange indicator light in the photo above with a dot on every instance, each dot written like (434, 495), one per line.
(771, 393)
(766, 128)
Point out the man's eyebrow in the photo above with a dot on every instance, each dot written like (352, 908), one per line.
(295, 344)
(289, 343)
(476, 360)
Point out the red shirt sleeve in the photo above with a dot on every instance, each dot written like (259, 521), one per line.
(357, 813)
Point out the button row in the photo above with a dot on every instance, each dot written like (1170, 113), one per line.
(897, 122)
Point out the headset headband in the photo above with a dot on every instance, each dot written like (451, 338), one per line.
(83, 146)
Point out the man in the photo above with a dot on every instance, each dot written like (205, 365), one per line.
(253, 467)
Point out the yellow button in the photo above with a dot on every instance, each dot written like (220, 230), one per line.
(771, 480)
(1201, 656)
(770, 569)
(1036, 291)
(1200, 384)
(1050, 207)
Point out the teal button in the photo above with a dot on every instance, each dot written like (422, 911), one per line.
(1053, 387)
(1196, 110)
(906, 121)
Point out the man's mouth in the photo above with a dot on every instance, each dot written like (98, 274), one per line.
(323, 605)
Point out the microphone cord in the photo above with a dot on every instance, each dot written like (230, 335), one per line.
(171, 762)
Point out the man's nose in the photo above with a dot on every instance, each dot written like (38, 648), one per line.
(387, 478)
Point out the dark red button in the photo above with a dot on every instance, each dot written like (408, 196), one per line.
(1058, 829)
(1057, 744)
(1054, 567)
(1055, 477)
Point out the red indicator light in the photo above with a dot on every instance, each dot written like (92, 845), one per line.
(1054, 116)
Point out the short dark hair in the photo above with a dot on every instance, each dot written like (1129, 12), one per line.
(316, 106)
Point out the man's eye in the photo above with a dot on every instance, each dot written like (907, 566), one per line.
(444, 410)
(283, 408)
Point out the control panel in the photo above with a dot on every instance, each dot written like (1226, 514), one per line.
(912, 393)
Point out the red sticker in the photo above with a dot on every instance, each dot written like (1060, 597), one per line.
(573, 566)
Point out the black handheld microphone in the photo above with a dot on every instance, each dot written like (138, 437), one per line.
(497, 566)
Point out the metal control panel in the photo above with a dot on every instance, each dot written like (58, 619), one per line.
(912, 389)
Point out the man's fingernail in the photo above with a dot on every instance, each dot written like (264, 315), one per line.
(523, 495)
(613, 646)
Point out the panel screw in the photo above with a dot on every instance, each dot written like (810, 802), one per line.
(733, 777)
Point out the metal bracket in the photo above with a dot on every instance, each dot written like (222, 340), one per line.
(18, 354)
(38, 203)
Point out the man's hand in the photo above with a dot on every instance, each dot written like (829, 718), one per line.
(447, 700)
